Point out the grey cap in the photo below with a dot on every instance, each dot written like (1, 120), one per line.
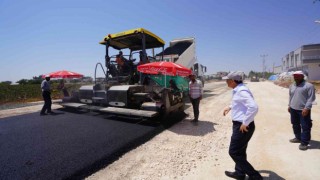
(235, 75)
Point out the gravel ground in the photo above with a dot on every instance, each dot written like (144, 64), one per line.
(189, 151)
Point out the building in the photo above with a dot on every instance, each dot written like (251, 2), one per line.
(305, 58)
(277, 69)
(222, 73)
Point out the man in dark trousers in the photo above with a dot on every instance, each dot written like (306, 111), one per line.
(195, 95)
(301, 97)
(46, 94)
(244, 109)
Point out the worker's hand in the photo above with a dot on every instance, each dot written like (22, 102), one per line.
(243, 128)
(288, 109)
(226, 110)
(305, 112)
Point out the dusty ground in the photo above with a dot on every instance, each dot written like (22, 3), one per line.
(187, 151)
(24, 110)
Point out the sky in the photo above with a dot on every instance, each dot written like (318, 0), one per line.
(38, 37)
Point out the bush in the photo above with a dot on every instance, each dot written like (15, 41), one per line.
(30, 92)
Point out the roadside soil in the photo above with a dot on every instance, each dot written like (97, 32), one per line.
(189, 151)
(200, 151)
(26, 108)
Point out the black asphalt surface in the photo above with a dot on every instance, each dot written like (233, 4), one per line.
(66, 145)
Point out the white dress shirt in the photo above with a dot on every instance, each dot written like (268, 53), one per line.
(45, 85)
(243, 107)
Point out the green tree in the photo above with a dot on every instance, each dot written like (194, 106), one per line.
(6, 82)
(37, 77)
(22, 81)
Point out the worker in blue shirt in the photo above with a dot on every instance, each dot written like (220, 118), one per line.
(46, 94)
(301, 97)
(243, 110)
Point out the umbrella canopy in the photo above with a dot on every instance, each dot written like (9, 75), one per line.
(63, 74)
(166, 68)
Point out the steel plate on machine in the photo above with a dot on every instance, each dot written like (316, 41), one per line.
(73, 105)
(129, 112)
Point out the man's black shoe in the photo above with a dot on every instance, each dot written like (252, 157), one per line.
(303, 147)
(234, 175)
(295, 140)
(43, 114)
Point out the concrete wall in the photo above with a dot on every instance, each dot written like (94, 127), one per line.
(314, 71)
(277, 69)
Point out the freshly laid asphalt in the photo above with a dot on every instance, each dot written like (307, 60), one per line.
(67, 145)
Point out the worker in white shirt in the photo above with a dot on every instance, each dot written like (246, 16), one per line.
(243, 110)
(46, 94)
(195, 95)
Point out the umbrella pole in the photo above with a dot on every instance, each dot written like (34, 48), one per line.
(165, 80)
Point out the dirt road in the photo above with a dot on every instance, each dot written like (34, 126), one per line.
(187, 151)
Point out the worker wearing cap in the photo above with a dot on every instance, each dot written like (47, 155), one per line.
(46, 94)
(243, 110)
(195, 95)
(301, 97)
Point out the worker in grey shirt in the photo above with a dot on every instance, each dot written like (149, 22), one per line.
(46, 94)
(301, 97)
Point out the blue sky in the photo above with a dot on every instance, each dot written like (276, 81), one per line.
(42, 36)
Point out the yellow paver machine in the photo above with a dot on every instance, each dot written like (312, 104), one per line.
(124, 91)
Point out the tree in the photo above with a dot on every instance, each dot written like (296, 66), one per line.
(260, 74)
(6, 82)
(37, 77)
(22, 81)
(35, 81)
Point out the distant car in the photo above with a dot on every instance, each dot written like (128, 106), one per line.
(254, 79)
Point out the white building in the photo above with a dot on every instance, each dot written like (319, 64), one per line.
(305, 58)
(277, 69)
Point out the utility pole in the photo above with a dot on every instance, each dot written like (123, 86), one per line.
(263, 64)
(273, 67)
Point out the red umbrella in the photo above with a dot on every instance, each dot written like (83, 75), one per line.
(166, 68)
(63, 74)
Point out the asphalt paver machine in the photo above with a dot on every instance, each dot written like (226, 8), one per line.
(124, 91)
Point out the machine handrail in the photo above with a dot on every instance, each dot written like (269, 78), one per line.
(95, 72)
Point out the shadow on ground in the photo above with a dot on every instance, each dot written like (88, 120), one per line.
(270, 175)
(314, 144)
(191, 128)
